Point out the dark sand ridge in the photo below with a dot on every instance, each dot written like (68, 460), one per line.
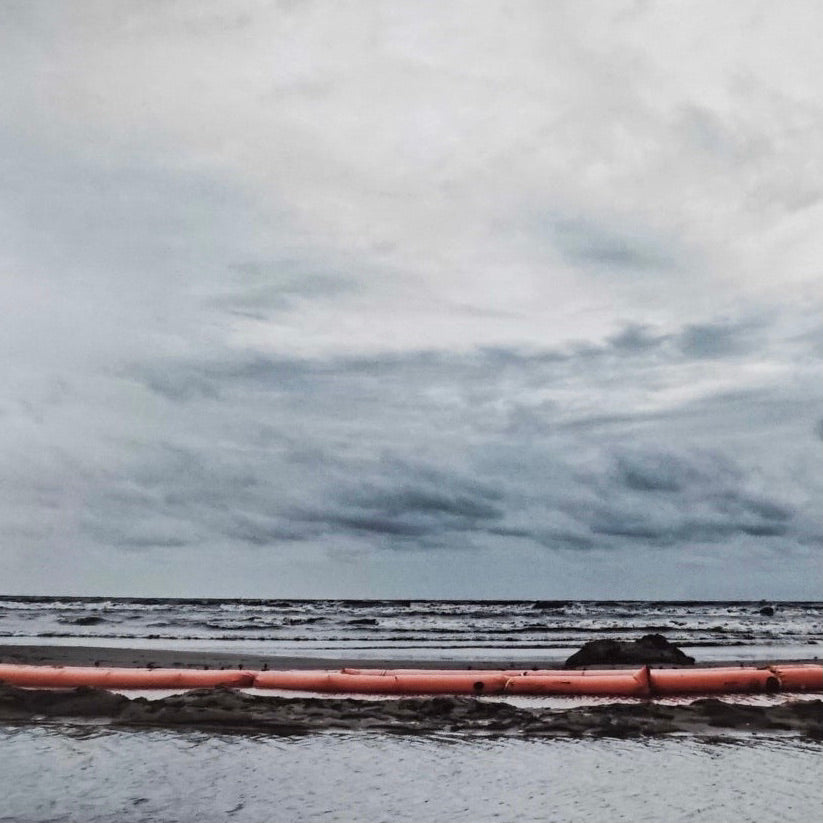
(226, 710)
(172, 658)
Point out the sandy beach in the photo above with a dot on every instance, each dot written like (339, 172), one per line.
(206, 659)
(78, 655)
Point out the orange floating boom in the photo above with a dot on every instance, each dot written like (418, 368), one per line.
(633, 684)
(506, 672)
(423, 683)
(63, 677)
(712, 681)
(639, 682)
(302, 681)
(412, 682)
(800, 677)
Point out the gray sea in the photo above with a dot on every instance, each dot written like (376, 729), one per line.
(422, 629)
(81, 771)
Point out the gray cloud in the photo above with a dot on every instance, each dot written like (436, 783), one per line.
(415, 501)
(677, 497)
(282, 285)
(587, 243)
(655, 472)
(482, 371)
(712, 339)
(382, 302)
(133, 215)
(636, 338)
(273, 489)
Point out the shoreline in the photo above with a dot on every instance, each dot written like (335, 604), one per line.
(226, 709)
(45, 655)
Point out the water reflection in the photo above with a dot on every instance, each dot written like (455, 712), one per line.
(95, 774)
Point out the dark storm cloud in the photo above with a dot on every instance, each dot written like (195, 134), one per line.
(415, 501)
(173, 496)
(454, 453)
(664, 498)
(641, 494)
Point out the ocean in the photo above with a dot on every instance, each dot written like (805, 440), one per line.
(415, 629)
(85, 771)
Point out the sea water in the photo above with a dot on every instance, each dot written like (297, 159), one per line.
(71, 773)
(415, 629)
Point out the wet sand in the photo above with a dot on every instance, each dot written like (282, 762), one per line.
(172, 658)
(227, 709)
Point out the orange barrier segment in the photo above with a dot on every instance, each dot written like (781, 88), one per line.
(489, 672)
(419, 682)
(63, 677)
(712, 681)
(422, 683)
(799, 677)
(632, 684)
(295, 680)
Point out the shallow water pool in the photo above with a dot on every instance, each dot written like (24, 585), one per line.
(73, 772)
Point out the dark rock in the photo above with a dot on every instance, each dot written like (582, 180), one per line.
(651, 648)
(768, 611)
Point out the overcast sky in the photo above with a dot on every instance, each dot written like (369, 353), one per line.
(411, 299)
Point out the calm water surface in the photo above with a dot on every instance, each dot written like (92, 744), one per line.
(69, 773)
